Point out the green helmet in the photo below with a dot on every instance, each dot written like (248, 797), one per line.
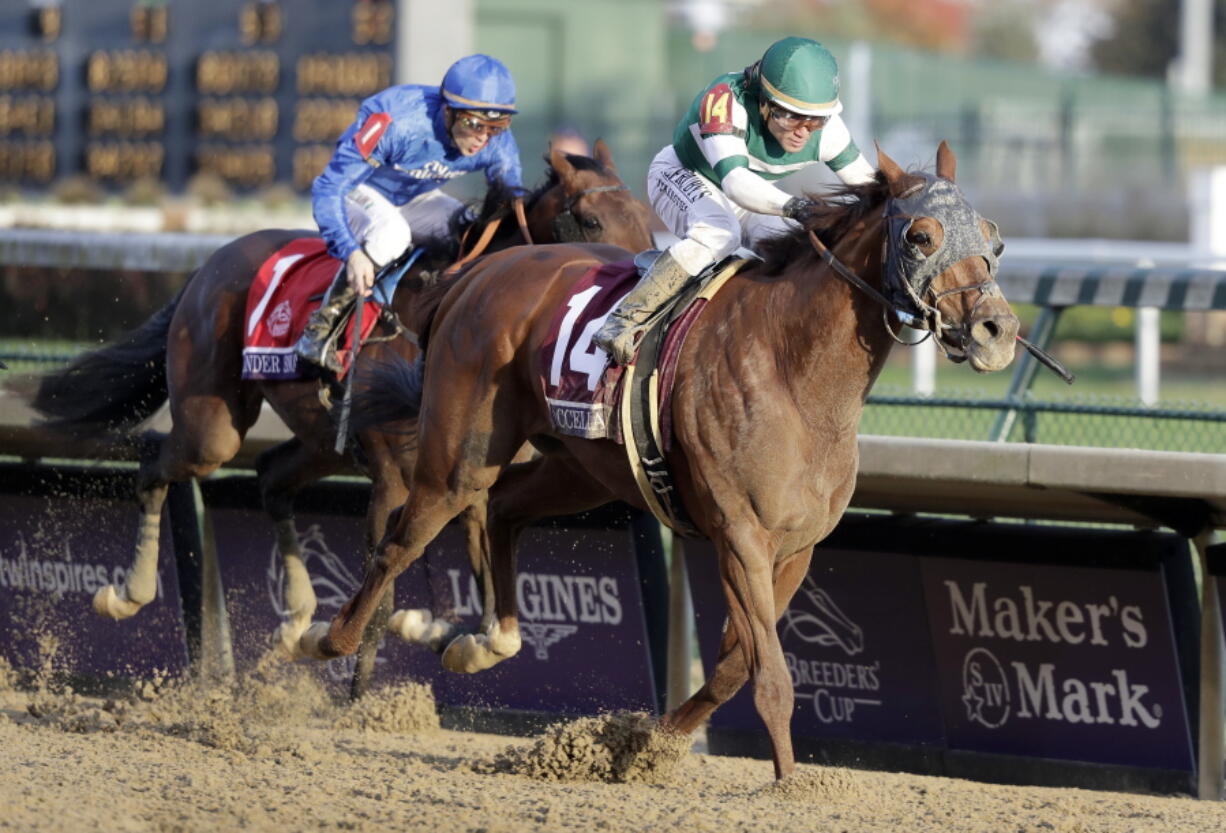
(801, 75)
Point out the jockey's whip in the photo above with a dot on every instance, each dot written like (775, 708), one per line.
(1047, 361)
(342, 427)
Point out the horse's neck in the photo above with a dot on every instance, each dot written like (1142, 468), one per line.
(832, 331)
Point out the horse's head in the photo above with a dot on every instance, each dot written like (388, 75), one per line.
(940, 264)
(587, 202)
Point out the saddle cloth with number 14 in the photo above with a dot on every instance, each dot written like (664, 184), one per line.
(582, 391)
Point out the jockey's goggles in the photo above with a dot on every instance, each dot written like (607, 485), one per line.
(483, 122)
(792, 121)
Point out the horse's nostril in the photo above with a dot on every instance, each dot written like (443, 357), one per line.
(992, 329)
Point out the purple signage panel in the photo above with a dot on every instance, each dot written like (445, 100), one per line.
(581, 613)
(332, 551)
(1058, 662)
(54, 554)
(585, 645)
(855, 641)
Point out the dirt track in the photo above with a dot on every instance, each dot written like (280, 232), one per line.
(262, 756)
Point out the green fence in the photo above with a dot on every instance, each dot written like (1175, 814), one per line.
(1084, 419)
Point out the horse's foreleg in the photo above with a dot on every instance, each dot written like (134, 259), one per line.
(387, 493)
(299, 600)
(465, 440)
(525, 492)
(420, 626)
(282, 471)
(141, 584)
(731, 669)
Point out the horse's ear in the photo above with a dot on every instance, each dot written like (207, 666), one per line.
(893, 174)
(604, 156)
(947, 163)
(559, 162)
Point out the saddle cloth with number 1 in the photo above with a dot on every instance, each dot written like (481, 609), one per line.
(289, 287)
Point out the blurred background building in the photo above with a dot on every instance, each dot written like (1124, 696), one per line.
(1083, 118)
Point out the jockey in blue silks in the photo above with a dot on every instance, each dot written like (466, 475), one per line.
(381, 187)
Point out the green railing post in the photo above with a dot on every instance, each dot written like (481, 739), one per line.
(1023, 377)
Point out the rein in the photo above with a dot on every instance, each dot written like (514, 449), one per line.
(930, 319)
(487, 234)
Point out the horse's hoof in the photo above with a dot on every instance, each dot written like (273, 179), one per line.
(409, 625)
(108, 603)
(285, 640)
(470, 653)
(311, 643)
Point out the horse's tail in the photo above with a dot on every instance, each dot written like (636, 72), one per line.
(389, 392)
(114, 388)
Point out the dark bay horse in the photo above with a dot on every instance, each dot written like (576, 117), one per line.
(191, 353)
(770, 386)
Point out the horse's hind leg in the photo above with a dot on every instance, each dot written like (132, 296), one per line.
(197, 445)
(140, 587)
(525, 492)
(282, 471)
(730, 672)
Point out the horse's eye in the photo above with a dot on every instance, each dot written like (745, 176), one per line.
(920, 238)
(589, 222)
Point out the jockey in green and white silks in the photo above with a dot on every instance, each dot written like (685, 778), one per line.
(713, 185)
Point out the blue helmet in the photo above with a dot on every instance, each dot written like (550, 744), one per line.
(479, 82)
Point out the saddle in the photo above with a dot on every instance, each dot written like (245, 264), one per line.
(645, 412)
(589, 398)
(288, 287)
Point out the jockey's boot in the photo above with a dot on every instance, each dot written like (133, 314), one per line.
(315, 343)
(618, 334)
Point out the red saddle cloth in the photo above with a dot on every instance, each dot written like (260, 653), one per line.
(287, 289)
(581, 399)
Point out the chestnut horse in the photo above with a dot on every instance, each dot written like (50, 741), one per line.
(191, 351)
(769, 389)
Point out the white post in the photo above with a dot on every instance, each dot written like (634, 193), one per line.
(429, 40)
(1148, 355)
(858, 100)
(1192, 70)
(924, 368)
(680, 617)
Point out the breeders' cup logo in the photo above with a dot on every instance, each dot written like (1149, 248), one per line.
(985, 691)
(823, 623)
(836, 687)
(332, 581)
(279, 320)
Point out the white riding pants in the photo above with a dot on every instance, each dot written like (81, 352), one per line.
(386, 230)
(710, 225)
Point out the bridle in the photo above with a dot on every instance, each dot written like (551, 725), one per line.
(909, 273)
(908, 292)
(566, 227)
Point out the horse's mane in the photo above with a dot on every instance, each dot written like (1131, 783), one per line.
(833, 216)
